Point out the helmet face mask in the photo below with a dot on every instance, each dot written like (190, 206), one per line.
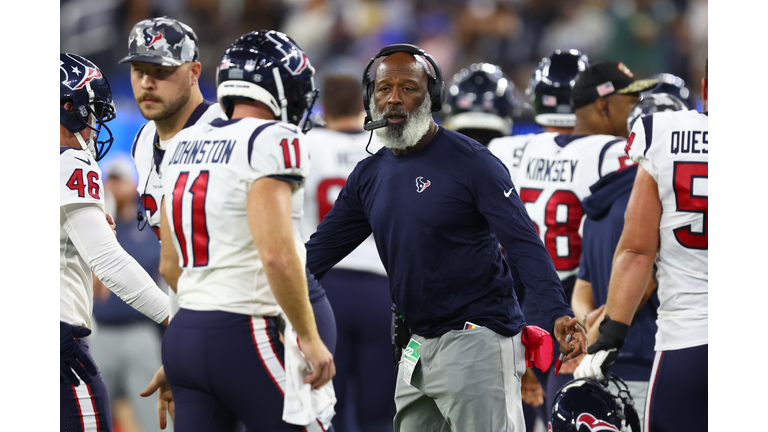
(268, 66)
(550, 87)
(84, 86)
(585, 405)
(654, 103)
(672, 85)
(481, 98)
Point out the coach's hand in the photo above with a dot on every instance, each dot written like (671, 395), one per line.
(165, 403)
(323, 368)
(604, 352)
(564, 326)
(72, 357)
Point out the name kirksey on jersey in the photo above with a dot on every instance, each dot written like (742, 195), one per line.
(554, 170)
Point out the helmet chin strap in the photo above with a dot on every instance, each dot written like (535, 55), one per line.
(281, 93)
(87, 144)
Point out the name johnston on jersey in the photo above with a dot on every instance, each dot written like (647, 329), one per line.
(194, 152)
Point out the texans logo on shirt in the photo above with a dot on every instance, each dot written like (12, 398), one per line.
(593, 423)
(149, 38)
(421, 184)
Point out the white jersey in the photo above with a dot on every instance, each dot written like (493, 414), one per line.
(147, 155)
(555, 174)
(510, 150)
(207, 172)
(673, 148)
(334, 155)
(80, 183)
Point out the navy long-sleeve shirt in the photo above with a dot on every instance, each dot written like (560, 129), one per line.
(437, 215)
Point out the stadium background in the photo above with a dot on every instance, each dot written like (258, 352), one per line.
(650, 36)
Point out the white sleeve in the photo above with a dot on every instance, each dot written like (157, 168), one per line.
(96, 243)
(280, 151)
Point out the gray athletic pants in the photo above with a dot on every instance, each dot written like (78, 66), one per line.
(465, 381)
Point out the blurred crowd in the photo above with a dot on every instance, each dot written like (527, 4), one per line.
(650, 36)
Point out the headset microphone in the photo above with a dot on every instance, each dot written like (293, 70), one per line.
(376, 124)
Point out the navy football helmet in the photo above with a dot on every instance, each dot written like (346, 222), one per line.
(654, 103)
(587, 405)
(269, 67)
(481, 101)
(551, 85)
(83, 84)
(672, 85)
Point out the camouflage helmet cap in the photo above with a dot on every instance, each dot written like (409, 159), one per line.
(164, 41)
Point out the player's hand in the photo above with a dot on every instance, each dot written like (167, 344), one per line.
(112, 224)
(564, 326)
(596, 365)
(72, 357)
(603, 353)
(165, 403)
(531, 390)
(569, 367)
(321, 361)
(594, 318)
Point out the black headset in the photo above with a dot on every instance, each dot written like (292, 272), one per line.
(435, 84)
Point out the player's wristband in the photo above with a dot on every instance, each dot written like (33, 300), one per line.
(612, 335)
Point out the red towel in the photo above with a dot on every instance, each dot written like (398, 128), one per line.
(538, 347)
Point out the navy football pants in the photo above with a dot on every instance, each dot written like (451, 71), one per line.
(223, 367)
(85, 408)
(678, 391)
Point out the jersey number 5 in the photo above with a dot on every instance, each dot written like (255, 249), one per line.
(199, 236)
(567, 229)
(690, 199)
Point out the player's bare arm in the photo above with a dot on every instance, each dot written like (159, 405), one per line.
(636, 251)
(169, 258)
(582, 301)
(269, 218)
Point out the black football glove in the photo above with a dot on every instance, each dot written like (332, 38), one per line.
(72, 357)
(602, 354)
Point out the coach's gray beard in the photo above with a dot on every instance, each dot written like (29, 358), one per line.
(407, 134)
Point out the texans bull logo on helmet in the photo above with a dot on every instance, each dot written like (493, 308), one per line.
(79, 75)
(593, 424)
(294, 60)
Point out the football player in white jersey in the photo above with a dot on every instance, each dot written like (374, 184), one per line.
(87, 243)
(233, 252)
(550, 91)
(165, 71)
(666, 224)
(357, 286)
(557, 170)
